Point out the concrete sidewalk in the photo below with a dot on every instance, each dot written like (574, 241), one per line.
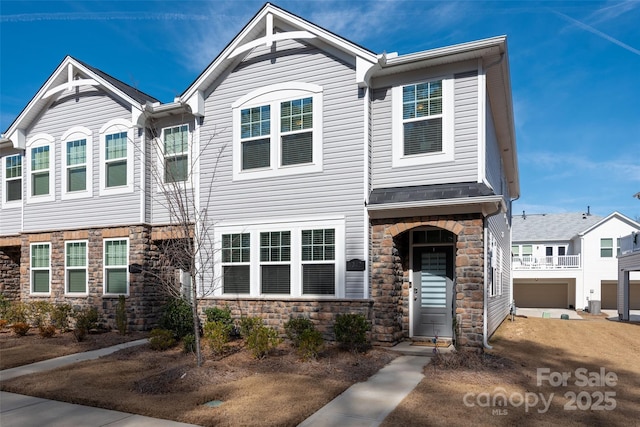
(368, 403)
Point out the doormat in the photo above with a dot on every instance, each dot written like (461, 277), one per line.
(431, 344)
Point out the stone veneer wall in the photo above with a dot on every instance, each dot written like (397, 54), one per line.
(390, 276)
(10, 272)
(276, 313)
(144, 299)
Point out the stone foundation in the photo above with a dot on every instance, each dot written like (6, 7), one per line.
(10, 272)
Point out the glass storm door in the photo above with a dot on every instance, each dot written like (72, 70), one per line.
(433, 291)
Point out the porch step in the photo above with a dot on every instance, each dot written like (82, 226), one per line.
(408, 348)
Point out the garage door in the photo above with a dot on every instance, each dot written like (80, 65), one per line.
(609, 294)
(541, 295)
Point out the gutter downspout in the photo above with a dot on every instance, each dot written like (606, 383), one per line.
(485, 328)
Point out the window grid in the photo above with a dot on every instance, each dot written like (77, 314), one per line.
(318, 245)
(296, 115)
(422, 100)
(40, 158)
(422, 117)
(116, 260)
(116, 160)
(77, 165)
(275, 246)
(176, 157)
(40, 267)
(76, 265)
(13, 178)
(236, 254)
(255, 122)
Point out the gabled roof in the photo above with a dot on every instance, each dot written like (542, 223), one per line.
(70, 73)
(617, 215)
(551, 227)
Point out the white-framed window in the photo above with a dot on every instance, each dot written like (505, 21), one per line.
(116, 266)
(75, 264)
(12, 173)
(422, 122)
(77, 163)
(40, 268)
(116, 157)
(41, 171)
(288, 258)
(236, 267)
(277, 130)
(175, 154)
(606, 248)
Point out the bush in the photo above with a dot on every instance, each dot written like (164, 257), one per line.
(40, 313)
(121, 315)
(20, 328)
(310, 344)
(294, 329)
(217, 314)
(60, 316)
(17, 312)
(86, 320)
(248, 324)
(47, 331)
(189, 343)
(351, 331)
(5, 305)
(217, 334)
(177, 317)
(161, 339)
(261, 340)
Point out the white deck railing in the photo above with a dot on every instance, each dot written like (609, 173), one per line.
(630, 243)
(545, 262)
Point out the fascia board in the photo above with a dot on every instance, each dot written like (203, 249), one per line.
(437, 203)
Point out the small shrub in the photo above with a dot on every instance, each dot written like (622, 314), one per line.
(47, 331)
(217, 334)
(161, 339)
(20, 328)
(294, 328)
(248, 324)
(310, 344)
(121, 315)
(86, 320)
(189, 343)
(40, 313)
(177, 317)
(17, 312)
(60, 316)
(5, 305)
(217, 314)
(351, 331)
(261, 340)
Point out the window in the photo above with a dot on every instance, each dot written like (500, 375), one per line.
(40, 171)
(423, 122)
(527, 250)
(296, 259)
(116, 262)
(606, 248)
(275, 256)
(515, 250)
(13, 178)
(76, 161)
(236, 255)
(562, 251)
(76, 267)
(278, 131)
(40, 268)
(176, 154)
(548, 250)
(318, 262)
(116, 157)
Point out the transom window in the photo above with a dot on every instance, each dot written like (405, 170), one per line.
(115, 160)
(278, 131)
(77, 165)
(176, 154)
(13, 178)
(40, 170)
(116, 262)
(40, 267)
(236, 255)
(76, 267)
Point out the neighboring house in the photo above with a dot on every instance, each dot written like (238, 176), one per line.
(565, 260)
(628, 265)
(345, 181)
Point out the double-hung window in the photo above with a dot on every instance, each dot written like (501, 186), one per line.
(116, 262)
(40, 268)
(76, 161)
(606, 248)
(275, 258)
(422, 122)
(115, 160)
(176, 154)
(278, 131)
(41, 170)
(76, 267)
(318, 261)
(13, 178)
(236, 270)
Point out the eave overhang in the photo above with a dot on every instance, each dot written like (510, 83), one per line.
(486, 205)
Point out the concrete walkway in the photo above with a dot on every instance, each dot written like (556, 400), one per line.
(368, 403)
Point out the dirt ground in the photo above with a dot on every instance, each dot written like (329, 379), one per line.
(600, 387)
(16, 351)
(280, 390)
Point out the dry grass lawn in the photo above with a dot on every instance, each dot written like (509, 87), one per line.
(510, 369)
(279, 390)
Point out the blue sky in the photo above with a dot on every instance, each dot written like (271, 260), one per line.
(575, 69)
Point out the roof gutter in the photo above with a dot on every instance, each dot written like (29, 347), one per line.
(438, 202)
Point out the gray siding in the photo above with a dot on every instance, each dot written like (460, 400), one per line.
(464, 168)
(10, 220)
(91, 108)
(494, 170)
(498, 306)
(336, 190)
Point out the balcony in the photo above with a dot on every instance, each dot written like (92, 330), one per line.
(545, 262)
(630, 244)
